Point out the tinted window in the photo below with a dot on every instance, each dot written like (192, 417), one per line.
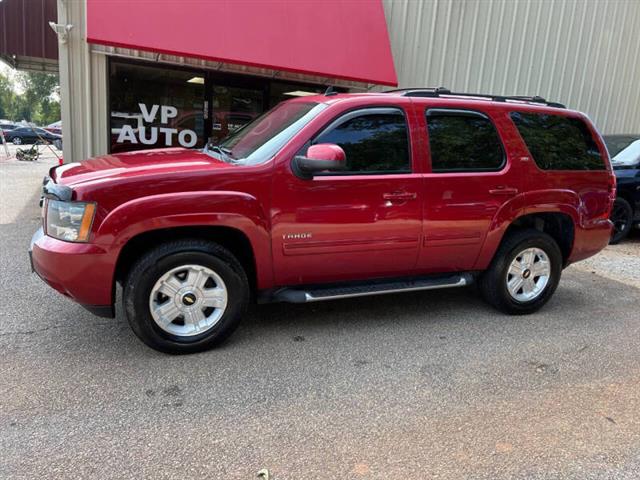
(557, 142)
(460, 141)
(372, 142)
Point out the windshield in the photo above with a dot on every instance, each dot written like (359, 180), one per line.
(629, 157)
(260, 140)
(617, 143)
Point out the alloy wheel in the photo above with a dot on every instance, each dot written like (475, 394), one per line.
(528, 275)
(188, 300)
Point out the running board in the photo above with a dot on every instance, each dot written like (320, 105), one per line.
(334, 292)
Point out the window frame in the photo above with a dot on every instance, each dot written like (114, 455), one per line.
(463, 112)
(358, 112)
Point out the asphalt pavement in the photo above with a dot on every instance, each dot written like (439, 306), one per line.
(432, 385)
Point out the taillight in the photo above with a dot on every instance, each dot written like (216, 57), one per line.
(611, 188)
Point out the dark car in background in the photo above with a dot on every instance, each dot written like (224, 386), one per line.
(6, 126)
(23, 135)
(625, 159)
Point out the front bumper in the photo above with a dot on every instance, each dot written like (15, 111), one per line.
(81, 271)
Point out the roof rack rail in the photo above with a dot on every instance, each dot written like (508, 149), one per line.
(439, 91)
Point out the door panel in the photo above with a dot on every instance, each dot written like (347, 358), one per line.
(342, 228)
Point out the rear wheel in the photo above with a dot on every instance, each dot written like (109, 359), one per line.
(524, 273)
(622, 219)
(186, 296)
(17, 141)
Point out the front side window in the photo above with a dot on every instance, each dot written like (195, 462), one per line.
(557, 142)
(463, 141)
(374, 140)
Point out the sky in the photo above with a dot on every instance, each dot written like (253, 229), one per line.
(8, 71)
(4, 68)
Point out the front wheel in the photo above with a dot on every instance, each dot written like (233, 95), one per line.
(17, 141)
(524, 273)
(186, 296)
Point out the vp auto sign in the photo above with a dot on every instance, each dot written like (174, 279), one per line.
(149, 135)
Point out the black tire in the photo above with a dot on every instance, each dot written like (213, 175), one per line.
(144, 274)
(493, 282)
(622, 219)
(17, 141)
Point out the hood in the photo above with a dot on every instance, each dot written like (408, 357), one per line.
(140, 163)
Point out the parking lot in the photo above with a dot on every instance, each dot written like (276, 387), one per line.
(417, 385)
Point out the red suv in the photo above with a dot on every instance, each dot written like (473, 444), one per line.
(326, 197)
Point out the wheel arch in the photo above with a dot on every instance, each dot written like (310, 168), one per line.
(233, 239)
(559, 225)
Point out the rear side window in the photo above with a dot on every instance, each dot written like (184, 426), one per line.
(557, 142)
(374, 141)
(463, 141)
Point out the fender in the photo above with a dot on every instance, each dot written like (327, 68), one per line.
(541, 201)
(183, 209)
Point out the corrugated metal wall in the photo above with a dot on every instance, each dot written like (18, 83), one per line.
(583, 53)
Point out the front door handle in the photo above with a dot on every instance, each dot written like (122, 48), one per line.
(502, 190)
(399, 196)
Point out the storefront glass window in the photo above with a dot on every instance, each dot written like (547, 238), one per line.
(232, 108)
(155, 107)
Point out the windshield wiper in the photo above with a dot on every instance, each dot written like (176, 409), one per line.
(225, 153)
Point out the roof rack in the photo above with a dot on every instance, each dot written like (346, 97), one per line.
(440, 91)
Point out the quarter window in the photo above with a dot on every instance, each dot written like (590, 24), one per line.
(557, 142)
(463, 141)
(374, 142)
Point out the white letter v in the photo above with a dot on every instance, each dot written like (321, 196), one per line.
(148, 116)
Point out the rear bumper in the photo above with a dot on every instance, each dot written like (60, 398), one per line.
(81, 271)
(590, 239)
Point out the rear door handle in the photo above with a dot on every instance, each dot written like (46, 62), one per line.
(399, 196)
(502, 190)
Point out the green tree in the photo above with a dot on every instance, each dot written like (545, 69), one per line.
(37, 101)
(7, 96)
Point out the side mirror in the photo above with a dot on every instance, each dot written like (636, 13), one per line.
(319, 158)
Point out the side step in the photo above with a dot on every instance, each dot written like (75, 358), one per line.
(349, 290)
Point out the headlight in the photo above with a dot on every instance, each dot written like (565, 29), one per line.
(70, 221)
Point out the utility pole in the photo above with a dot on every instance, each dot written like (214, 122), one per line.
(4, 143)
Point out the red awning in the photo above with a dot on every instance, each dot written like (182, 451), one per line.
(344, 39)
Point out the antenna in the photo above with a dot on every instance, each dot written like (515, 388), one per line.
(330, 91)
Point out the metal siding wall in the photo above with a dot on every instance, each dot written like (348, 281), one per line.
(584, 53)
(83, 85)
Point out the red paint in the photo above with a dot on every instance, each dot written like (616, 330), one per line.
(347, 39)
(326, 151)
(329, 228)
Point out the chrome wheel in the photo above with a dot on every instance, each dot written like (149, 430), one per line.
(17, 141)
(528, 275)
(188, 300)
